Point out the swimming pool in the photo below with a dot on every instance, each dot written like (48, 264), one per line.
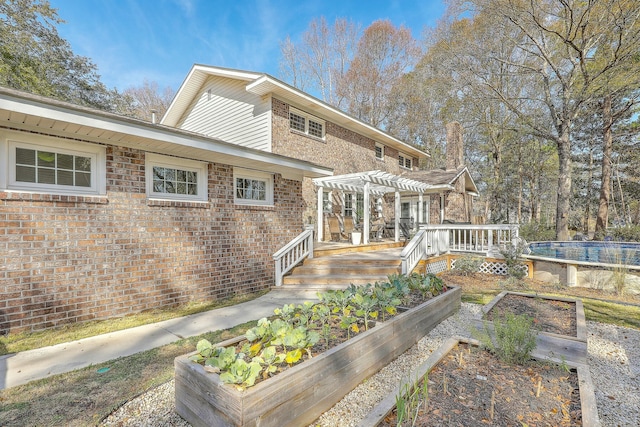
(616, 253)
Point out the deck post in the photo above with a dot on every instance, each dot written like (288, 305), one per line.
(367, 214)
(397, 214)
(320, 221)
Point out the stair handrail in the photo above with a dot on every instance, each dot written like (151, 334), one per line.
(293, 253)
(413, 252)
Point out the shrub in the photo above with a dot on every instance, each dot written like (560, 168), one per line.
(511, 256)
(515, 338)
(629, 233)
(467, 265)
(536, 232)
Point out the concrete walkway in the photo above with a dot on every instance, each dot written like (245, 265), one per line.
(20, 368)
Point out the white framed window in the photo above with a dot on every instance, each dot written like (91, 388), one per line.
(404, 161)
(43, 164)
(348, 208)
(306, 123)
(379, 151)
(252, 187)
(172, 178)
(327, 205)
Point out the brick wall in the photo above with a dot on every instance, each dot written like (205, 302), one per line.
(67, 259)
(342, 149)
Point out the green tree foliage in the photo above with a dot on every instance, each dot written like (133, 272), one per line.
(34, 58)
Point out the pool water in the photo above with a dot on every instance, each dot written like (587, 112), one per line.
(623, 253)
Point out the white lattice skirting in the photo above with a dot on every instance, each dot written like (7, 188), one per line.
(436, 267)
(494, 267)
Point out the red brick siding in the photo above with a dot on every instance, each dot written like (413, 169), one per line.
(342, 150)
(66, 259)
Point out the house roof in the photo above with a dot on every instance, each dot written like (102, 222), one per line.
(263, 84)
(23, 111)
(380, 183)
(439, 177)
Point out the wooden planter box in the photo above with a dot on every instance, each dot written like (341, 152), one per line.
(301, 394)
(549, 345)
(382, 409)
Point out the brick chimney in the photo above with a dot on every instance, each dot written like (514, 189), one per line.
(454, 149)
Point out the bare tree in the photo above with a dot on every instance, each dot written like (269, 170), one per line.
(321, 59)
(384, 54)
(147, 98)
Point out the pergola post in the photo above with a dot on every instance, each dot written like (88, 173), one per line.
(397, 214)
(320, 221)
(420, 209)
(367, 214)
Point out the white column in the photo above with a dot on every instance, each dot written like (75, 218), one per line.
(320, 221)
(367, 214)
(397, 209)
(441, 208)
(420, 209)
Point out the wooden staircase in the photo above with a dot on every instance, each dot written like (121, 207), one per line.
(338, 267)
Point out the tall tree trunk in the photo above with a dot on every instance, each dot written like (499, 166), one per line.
(564, 182)
(587, 211)
(607, 147)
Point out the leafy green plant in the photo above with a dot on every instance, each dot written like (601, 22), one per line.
(428, 285)
(270, 359)
(322, 315)
(387, 299)
(401, 285)
(467, 265)
(514, 337)
(241, 373)
(366, 307)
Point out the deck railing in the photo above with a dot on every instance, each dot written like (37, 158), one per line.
(293, 253)
(413, 252)
(485, 239)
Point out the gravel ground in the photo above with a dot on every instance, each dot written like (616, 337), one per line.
(614, 361)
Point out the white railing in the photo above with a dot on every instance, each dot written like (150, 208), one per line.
(293, 253)
(413, 252)
(485, 239)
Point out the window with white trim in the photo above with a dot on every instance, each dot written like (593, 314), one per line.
(173, 178)
(379, 151)
(348, 205)
(306, 123)
(404, 161)
(327, 206)
(252, 187)
(51, 165)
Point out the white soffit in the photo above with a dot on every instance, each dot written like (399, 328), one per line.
(26, 112)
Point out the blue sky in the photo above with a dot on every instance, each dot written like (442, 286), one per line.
(159, 40)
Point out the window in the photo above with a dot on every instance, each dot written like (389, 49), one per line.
(348, 205)
(305, 123)
(404, 161)
(252, 187)
(327, 206)
(55, 166)
(379, 152)
(176, 179)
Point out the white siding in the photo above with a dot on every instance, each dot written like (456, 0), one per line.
(228, 112)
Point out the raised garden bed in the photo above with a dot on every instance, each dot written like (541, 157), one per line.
(300, 394)
(561, 325)
(468, 386)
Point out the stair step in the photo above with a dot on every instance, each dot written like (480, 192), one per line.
(352, 262)
(334, 279)
(324, 269)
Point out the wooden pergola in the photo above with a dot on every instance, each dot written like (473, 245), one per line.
(371, 183)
